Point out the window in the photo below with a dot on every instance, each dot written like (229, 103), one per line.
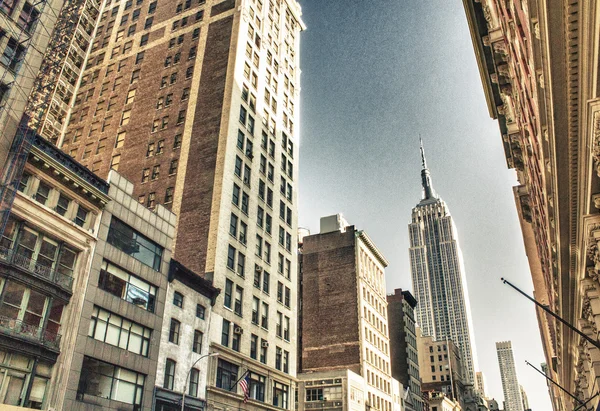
(231, 258)
(42, 194)
(266, 279)
(28, 17)
(264, 322)
(169, 195)
(144, 40)
(7, 6)
(174, 331)
(255, 305)
(194, 381)
(178, 299)
(279, 325)
(125, 117)
(120, 139)
(257, 386)
(130, 96)
(152, 7)
(241, 263)
(13, 54)
(278, 358)
(148, 23)
(280, 394)
(253, 346)
(263, 350)
(228, 292)
(245, 203)
(227, 374)
(105, 380)
(286, 368)
(314, 394)
(197, 345)
(62, 205)
(243, 230)
(235, 197)
(123, 285)
(169, 374)
(155, 172)
(134, 244)
(120, 332)
(81, 216)
(237, 307)
(200, 311)
(225, 333)
(177, 141)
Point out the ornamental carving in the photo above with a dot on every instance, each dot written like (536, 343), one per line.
(596, 141)
(592, 245)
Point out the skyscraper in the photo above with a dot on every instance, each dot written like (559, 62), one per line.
(438, 274)
(196, 102)
(508, 372)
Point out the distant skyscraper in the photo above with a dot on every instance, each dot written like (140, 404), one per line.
(438, 274)
(480, 379)
(510, 384)
(524, 398)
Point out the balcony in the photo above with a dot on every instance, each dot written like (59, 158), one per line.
(36, 269)
(18, 328)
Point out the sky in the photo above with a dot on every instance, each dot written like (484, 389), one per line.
(375, 76)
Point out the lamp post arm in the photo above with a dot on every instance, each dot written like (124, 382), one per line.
(187, 378)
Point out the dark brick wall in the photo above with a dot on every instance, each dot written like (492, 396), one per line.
(397, 332)
(195, 212)
(330, 322)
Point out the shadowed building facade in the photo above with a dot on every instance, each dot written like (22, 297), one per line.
(538, 62)
(403, 345)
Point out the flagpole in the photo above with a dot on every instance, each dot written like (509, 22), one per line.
(240, 379)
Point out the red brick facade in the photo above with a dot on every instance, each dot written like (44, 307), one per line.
(330, 321)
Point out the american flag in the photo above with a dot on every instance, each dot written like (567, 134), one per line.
(245, 385)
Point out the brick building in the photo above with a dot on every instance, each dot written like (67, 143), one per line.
(403, 345)
(344, 308)
(196, 102)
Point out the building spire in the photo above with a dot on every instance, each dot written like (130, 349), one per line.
(428, 191)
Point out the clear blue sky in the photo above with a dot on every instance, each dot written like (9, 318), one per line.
(375, 75)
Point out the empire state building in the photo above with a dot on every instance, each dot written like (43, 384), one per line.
(438, 274)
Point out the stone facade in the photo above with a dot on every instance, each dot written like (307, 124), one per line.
(45, 254)
(122, 314)
(184, 343)
(537, 70)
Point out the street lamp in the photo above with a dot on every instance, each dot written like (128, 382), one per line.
(188, 376)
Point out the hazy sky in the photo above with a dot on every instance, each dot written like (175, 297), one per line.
(375, 75)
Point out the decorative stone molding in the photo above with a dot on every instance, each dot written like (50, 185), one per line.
(592, 241)
(596, 200)
(596, 141)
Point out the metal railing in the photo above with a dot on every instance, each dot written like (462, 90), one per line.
(19, 328)
(36, 268)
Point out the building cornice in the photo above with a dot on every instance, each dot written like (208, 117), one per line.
(371, 246)
(80, 178)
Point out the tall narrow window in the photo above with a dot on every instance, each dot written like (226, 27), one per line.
(174, 331)
(169, 374)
